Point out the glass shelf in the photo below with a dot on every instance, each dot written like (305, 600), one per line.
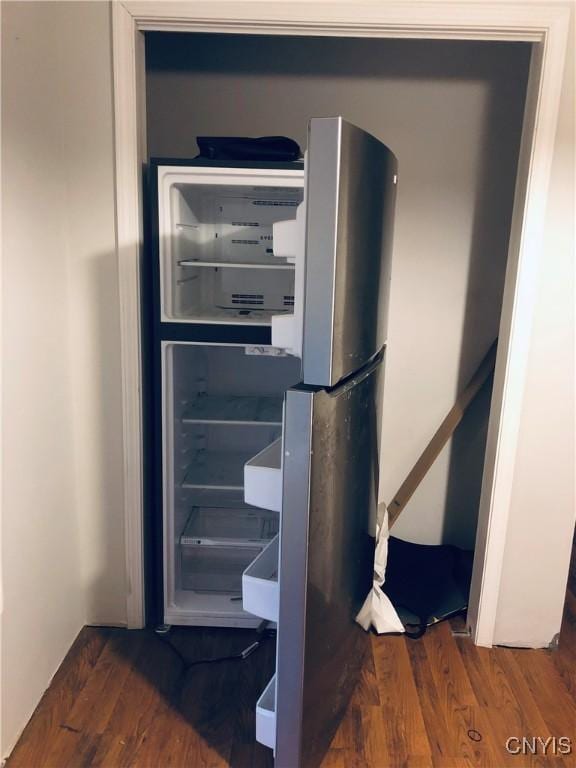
(217, 469)
(235, 264)
(234, 409)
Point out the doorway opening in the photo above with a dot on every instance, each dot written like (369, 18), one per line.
(452, 112)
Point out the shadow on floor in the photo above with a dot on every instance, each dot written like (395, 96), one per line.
(215, 702)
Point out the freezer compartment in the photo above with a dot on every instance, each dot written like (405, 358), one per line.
(260, 584)
(263, 478)
(266, 716)
(216, 243)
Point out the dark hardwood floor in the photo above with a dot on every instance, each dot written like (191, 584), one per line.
(124, 699)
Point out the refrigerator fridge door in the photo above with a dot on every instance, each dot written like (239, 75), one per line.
(330, 469)
(342, 238)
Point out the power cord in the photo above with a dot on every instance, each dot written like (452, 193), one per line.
(235, 657)
(262, 631)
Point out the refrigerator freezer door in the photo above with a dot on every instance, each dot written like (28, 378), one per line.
(350, 196)
(326, 560)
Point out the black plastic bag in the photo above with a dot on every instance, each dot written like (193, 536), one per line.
(273, 148)
(426, 583)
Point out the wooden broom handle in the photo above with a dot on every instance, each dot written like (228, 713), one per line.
(442, 435)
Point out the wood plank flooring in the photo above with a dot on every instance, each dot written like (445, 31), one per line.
(123, 700)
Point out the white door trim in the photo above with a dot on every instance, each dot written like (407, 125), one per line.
(544, 25)
(130, 143)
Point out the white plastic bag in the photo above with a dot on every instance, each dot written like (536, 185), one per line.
(377, 610)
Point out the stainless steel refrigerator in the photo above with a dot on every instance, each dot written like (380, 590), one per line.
(270, 300)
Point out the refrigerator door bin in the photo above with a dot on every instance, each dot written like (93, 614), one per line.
(263, 478)
(215, 243)
(260, 584)
(266, 715)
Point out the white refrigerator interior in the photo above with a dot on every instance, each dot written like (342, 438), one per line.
(215, 238)
(222, 406)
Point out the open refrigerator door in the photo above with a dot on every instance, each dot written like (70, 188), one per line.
(312, 580)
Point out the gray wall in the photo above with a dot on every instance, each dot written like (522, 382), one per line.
(452, 114)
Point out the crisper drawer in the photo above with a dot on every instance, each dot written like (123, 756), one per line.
(266, 716)
(229, 525)
(260, 584)
(207, 568)
(218, 544)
